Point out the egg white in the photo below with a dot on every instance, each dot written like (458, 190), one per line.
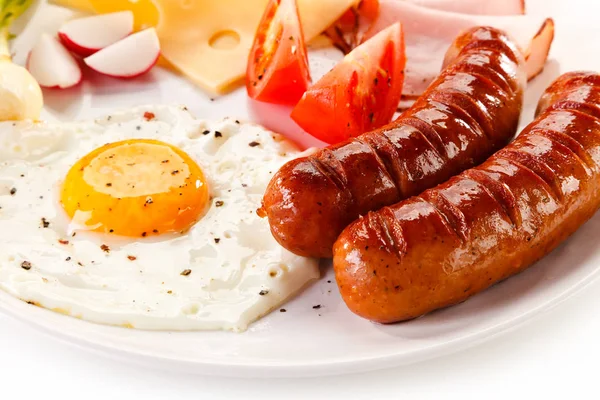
(237, 270)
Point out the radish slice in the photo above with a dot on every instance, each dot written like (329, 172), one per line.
(128, 58)
(52, 65)
(85, 36)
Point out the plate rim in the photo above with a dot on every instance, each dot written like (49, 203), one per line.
(266, 369)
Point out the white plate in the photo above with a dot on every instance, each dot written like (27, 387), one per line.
(305, 341)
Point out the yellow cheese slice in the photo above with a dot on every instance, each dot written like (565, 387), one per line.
(209, 40)
(145, 12)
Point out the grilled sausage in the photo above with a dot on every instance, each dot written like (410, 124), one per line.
(469, 112)
(484, 225)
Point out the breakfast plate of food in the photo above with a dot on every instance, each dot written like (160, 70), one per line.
(292, 187)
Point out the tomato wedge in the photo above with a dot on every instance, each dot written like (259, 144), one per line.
(359, 94)
(277, 70)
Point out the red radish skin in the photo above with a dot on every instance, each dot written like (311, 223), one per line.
(128, 58)
(86, 36)
(128, 76)
(74, 47)
(52, 66)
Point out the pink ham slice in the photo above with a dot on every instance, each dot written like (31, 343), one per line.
(428, 34)
(479, 7)
(539, 48)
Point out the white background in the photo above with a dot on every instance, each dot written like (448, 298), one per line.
(552, 355)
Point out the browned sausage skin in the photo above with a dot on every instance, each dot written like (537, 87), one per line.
(469, 112)
(484, 225)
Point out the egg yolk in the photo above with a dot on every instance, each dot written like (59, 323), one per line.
(135, 188)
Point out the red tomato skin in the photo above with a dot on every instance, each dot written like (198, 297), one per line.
(369, 8)
(360, 94)
(277, 69)
(286, 85)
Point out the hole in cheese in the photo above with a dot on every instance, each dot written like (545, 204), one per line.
(224, 40)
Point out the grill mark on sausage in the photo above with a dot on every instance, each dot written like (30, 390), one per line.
(574, 93)
(467, 66)
(574, 86)
(399, 161)
(580, 114)
(429, 133)
(483, 76)
(390, 235)
(567, 143)
(387, 155)
(567, 85)
(498, 191)
(506, 68)
(494, 44)
(580, 78)
(584, 138)
(575, 106)
(325, 168)
(541, 171)
(581, 137)
(534, 164)
(498, 89)
(454, 100)
(481, 106)
(451, 216)
(380, 161)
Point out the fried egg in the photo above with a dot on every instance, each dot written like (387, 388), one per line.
(144, 219)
